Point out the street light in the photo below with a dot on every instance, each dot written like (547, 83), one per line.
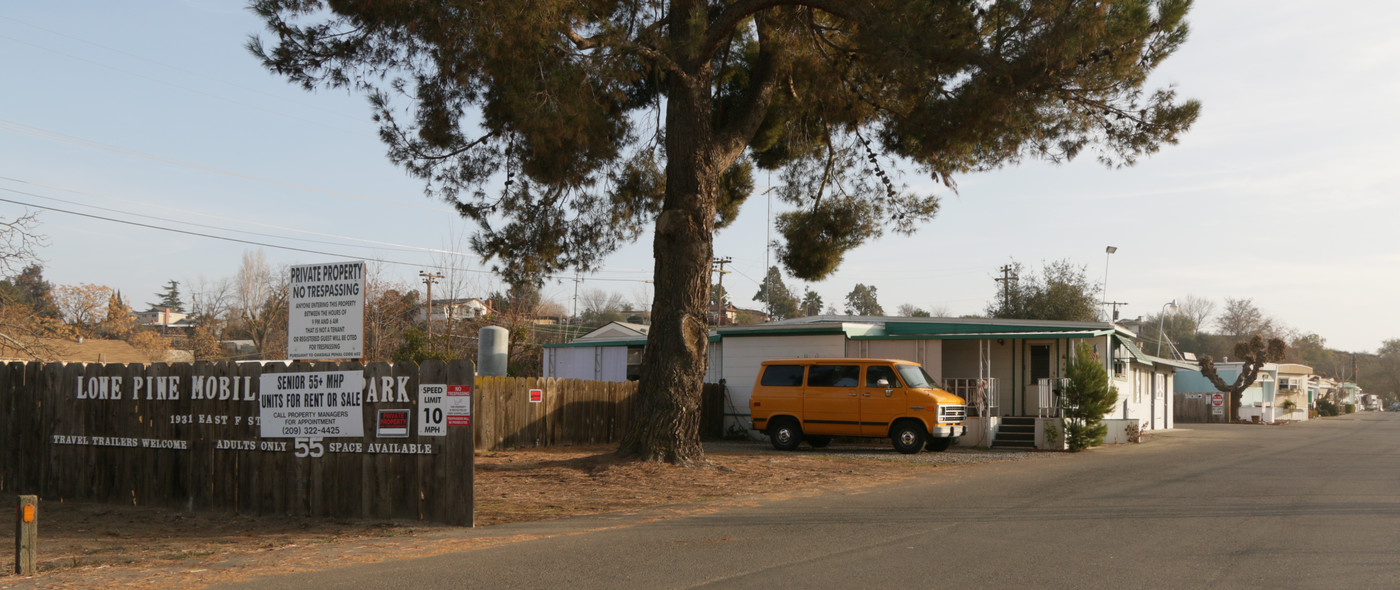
(1170, 307)
(1109, 250)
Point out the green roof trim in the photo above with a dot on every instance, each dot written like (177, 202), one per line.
(804, 330)
(992, 335)
(927, 328)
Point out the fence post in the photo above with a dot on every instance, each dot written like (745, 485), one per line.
(26, 535)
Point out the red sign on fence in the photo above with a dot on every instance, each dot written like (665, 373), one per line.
(536, 396)
(392, 424)
(459, 405)
(1217, 399)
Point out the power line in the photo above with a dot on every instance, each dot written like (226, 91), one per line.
(280, 247)
(389, 245)
(372, 244)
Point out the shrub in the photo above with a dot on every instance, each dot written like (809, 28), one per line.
(1327, 407)
(1089, 397)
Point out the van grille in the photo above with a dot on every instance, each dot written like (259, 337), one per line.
(951, 413)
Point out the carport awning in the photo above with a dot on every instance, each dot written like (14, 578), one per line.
(1148, 359)
(1038, 335)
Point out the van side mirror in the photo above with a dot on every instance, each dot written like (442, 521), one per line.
(885, 383)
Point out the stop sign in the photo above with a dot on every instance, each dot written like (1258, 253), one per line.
(1217, 399)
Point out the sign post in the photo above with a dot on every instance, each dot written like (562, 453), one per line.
(26, 535)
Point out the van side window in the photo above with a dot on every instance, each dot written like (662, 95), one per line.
(782, 376)
(874, 373)
(834, 376)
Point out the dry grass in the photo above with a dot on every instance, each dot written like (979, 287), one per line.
(83, 545)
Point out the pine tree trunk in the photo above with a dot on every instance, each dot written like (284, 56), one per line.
(665, 418)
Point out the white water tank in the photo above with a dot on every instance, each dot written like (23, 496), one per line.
(493, 346)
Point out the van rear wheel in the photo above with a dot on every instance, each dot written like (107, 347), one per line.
(908, 437)
(785, 434)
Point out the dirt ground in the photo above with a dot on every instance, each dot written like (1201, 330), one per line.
(84, 545)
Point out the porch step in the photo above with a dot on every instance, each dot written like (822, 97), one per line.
(1015, 433)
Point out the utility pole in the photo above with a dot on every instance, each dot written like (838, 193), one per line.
(577, 279)
(1115, 305)
(1005, 280)
(720, 262)
(429, 278)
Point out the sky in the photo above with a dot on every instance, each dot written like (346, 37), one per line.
(153, 114)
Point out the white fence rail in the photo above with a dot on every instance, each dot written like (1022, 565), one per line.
(1050, 404)
(981, 394)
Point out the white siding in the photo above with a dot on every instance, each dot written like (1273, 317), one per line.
(742, 356)
(714, 362)
(928, 353)
(593, 363)
(610, 363)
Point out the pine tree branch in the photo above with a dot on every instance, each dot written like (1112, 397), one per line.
(736, 133)
(735, 13)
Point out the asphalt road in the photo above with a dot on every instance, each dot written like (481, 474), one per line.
(1309, 505)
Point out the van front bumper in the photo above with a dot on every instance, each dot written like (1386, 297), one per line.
(948, 431)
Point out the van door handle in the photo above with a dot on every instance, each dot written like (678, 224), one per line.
(851, 394)
(866, 395)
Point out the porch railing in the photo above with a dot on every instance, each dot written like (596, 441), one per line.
(1051, 405)
(981, 394)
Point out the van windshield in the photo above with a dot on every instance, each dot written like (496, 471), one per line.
(914, 376)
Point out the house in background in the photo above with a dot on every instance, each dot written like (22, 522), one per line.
(611, 352)
(453, 310)
(1292, 395)
(163, 317)
(1008, 370)
(1280, 393)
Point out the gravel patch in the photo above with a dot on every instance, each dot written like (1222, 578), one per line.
(869, 450)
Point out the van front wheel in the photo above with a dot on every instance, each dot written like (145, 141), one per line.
(939, 444)
(908, 437)
(785, 435)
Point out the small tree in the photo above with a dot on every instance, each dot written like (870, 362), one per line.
(777, 299)
(909, 310)
(415, 348)
(811, 303)
(1062, 291)
(861, 301)
(119, 322)
(169, 298)
(1088, 397)
(1255, 353)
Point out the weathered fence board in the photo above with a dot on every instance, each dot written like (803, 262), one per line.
(571, 412)
(189, 436)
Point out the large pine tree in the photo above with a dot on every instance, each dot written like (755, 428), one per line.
(566, 127)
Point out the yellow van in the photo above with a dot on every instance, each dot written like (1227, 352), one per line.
(815, 399)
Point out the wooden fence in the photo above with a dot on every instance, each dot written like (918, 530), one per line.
(189, 436)
(569, 412)
(1189, 408)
